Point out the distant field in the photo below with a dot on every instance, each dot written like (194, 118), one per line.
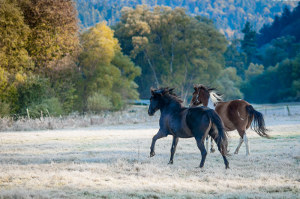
(113, 161)
(283, 112)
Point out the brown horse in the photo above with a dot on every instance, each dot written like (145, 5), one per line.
(235, 114)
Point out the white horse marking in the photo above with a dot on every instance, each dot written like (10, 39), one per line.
(247, 144)
(238, 147)
(240, 116)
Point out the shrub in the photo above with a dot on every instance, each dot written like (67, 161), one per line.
(98, 102)
(4, 109)
(50, 106)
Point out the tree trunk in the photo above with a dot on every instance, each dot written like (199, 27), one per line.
(152, 68)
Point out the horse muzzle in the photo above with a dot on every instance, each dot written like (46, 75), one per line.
(150, 113)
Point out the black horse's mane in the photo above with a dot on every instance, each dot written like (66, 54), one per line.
(168, 92)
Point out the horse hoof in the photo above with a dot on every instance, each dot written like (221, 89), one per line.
(227, 167)
(212, 150)
(152, 154)
(171, 162)
(236, 152)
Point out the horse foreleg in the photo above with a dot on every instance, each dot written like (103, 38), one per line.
(173, 149)
(238, 147)
(159, 135)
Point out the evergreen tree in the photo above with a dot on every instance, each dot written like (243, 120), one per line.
(249, 43)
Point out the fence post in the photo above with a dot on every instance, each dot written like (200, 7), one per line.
(48, 113)
(288, 110)
(27, 113)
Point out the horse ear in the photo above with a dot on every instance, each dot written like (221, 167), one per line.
(152, 91)
(195, 87)
(164, 91)
(171, 89)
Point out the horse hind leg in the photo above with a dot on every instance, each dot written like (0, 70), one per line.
(207, 140)
(247, 144)
(212, 150)
(173, 149)
(200, 144)
(212, 133)
(243, 138)
(214, 136)
(239, 145)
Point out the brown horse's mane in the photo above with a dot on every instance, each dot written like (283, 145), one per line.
(218, 96)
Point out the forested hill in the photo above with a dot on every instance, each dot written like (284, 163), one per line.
(229, 16)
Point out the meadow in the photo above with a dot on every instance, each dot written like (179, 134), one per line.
(112, 161)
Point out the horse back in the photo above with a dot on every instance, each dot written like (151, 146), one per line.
(233, 114)
(197, 117)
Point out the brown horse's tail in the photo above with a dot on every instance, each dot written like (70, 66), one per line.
(258, 124)
(222, 137)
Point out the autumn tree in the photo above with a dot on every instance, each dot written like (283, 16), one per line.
(13, 38)
(54, 30)
(107, 75)
(38, 41)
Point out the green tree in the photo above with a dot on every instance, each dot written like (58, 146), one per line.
(249, 43)
(229, 83)
(278, 49)
(275, 84)
(253, 70)
(173, 48)
(234, 58)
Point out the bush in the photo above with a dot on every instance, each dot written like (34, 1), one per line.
(4, 109)
(98, 102)
(50, 106)
(31, 93)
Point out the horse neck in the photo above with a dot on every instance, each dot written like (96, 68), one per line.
(170, 106)
(204, 99)
(214, 100)
(210, 104)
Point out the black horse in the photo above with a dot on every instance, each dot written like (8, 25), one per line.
(181, 122)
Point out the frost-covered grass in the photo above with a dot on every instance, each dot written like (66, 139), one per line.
(112, 161)
(131, 115)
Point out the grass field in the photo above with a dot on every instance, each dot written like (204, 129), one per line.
(113, 162)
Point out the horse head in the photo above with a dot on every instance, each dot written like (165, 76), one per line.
(200, 95)
(156, 99)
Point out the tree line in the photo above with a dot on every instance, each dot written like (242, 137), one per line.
(48, 66)
(269, 60)
(229, 16)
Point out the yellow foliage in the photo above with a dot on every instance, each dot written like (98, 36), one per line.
(20, 77)
(101, 42)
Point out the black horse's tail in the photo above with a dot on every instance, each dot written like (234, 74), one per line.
(258, 124)
(222, 137)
